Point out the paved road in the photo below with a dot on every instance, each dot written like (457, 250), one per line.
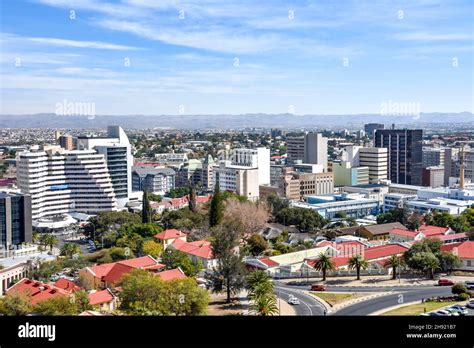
(309, 306)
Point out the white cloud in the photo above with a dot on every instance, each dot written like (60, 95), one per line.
(80, 44)
(430, 36)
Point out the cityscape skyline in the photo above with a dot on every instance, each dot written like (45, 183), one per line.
(212, 57)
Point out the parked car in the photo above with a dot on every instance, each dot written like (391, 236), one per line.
(460, 309)
(293, 301)
(445, 282)
(469, 285)
(453, 311)
(318, 287)
(443, 313)
(470, 304)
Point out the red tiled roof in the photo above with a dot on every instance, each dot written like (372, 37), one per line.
(444, 237)
(139, 262)
(101, 270)
(269, 262)
(37, 290)
(200, 248)
(203, 199)
(465, 250)
(67, 285)
(404, 233)
(169, 234)
(429, 230)
(374, 253)
(171, 274)
(99, 297)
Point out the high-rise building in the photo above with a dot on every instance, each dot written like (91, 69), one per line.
(432, 156)
(241, 180)
(67, 142)
(61, 181)
(254, 158)
(375, 158)
(156, 180)
(15, 219)
(404, 154)
(310, 148)
(118, 154)
(370, 128)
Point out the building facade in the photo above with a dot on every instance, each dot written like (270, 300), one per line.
(15, 219)
(156, 180)
(404, 154)
(254, 158)
(376, 159)
(238, 179)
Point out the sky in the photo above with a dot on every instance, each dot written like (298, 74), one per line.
(152, 57)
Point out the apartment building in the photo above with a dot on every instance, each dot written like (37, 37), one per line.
(297, 185)
(241, 180)
(156, 180)
(254, 158)
(61, 181)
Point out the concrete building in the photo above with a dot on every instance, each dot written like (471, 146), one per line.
(118, 155)
(404, 154)
(67, 142)
(295, 185)
(376, 159)
(310, 148)
(172, 158)
(156, 180)
(198, 172)
(433, 176)
(238, 179)
(61, 181)
(254, 158)
(370, 128)
(15, 219)
(432, 156)
(346, 175)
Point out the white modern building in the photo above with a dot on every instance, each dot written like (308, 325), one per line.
(376, 159)
(118, 155)
(254, 158)
(238, 179)
(61, 181)
(156, 180)
(309, 148)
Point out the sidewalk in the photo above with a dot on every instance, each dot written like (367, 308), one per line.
(377, 281)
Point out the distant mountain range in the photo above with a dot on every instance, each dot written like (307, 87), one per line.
(284, 121)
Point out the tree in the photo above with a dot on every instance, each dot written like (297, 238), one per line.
(276, 203)
(192, 198)
(58, 305)
(395, 262)
(257, 244)
(265, 305)
(144, 230)
(357, 262)
(305, 220)
(49, 240)
(424, 261)
(398, 214)
(174, 258)
(450, 261)
(229, 275)
(458, 289)
(324, 263)
(15, 304)
(145, 294)
(216, 210)
(152, 248)
(443, 219)
(110, 220)
(119, 253)
(45, 270)
(248, 216)
(146, 208)
(70, 249)
(260, 288)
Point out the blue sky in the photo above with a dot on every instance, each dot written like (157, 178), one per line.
(209, 56)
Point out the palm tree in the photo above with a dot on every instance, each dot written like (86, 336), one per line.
(395, 262)
(324, 263)
(265, 305)
(258, 284)
(50, 240)
(69, 249)
(35, 237)
(357, 262)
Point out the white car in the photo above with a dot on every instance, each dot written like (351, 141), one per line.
(470, 304)
(444, 312)
(293, 301)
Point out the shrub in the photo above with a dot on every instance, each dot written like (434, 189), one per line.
(463, 297)
(458, 289)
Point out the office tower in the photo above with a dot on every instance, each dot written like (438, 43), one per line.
(350, 154)
(370, 128)
(432, 156)
(404, 154)
(296, 185)
(156, 180)
(375, 158)
(66, 142)
(61, 181)
(450, 164)
(254, 158)
(242, 180)
(310, 148)
(15, 219)
(118, 154)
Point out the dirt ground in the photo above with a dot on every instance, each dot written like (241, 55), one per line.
(218, 305)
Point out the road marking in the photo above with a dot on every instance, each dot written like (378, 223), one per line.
(303, 302)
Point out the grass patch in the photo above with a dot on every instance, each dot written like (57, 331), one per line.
(417, 309)
(334, 298)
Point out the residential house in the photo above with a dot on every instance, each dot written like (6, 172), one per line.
(381, 231)
(36, 291)
(425, 231)
(465, 251)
